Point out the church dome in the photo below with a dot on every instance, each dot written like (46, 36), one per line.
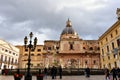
(68, 31)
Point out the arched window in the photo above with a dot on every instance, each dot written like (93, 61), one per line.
(91, 48)
(71, 45)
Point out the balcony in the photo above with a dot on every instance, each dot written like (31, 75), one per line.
(115, 51)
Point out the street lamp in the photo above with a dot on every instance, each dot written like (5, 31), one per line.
(28, 75)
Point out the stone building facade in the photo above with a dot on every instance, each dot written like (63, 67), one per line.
(36, 57)
(71, 51)
(9, 55)
(110, 45)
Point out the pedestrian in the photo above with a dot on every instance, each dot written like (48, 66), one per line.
(53, 72)
(107, 75)
(114, 73)
(87, 72)
(45, 72)
(60, 72)
(118, 73)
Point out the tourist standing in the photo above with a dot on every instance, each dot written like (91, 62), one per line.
(106, 71)
(45, 72)
(60, 72)
(114, 73)
(53, 72)
(87, 72)
(118, 73)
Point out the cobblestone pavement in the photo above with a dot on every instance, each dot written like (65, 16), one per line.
(92, 77)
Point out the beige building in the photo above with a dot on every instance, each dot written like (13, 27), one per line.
(110, 45)
(9, 55)
(36, 57)
(69, 52)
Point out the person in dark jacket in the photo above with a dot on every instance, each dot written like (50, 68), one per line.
(87, 72)
(53, 72)
(60, 72)
(118, 73)
(45, 72)
(114, 73)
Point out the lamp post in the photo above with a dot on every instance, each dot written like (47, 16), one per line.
(28, 75)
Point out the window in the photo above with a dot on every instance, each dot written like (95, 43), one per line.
(38, 54)
(84, 48)
(5, 58)
(103, 66)
(108, 57)
(118, 42)
(109, 65)
(103, 59)
(113, 45)
(26, 50)
(32, 54)
(106, 39)
(91, 48)
(1, 57)
(114, 55)
(71, 45)
(10, 52)
(101, 43)
(49, 48)
(38, 65)
(116, 31)
(9, 60)
(6, 50)
(98, 48)
(115, 64)
(86, 62)
(26, 54)
(111, 35)
(16, 61)
(107, 48)
(2, 49)
(57, 48)
(12, 60)
(94, 62)
(39, 50)
(13, 53)
(102, 51)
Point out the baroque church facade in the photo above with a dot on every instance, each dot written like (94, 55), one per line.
(69, 52)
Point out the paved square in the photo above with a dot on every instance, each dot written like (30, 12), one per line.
(92, 77)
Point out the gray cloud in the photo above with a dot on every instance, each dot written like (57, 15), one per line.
(46, 19)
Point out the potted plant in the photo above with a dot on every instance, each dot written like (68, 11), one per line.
(40, 75)
(18, 76)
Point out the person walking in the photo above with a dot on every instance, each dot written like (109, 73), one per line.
(118, 73)
(87, 72)
(45, 72)
(53, 72)
(60, 72)
(106, 71)
(114, 73)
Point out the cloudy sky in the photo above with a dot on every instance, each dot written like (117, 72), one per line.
(47, 18)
